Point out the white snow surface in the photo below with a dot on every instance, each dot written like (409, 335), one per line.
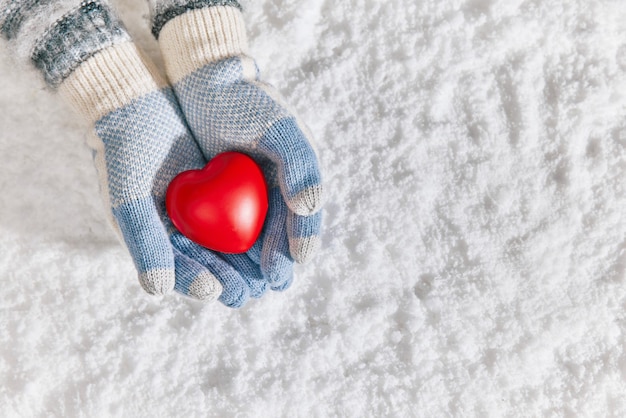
(474, 243)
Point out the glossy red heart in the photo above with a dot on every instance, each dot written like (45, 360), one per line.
(221, 207)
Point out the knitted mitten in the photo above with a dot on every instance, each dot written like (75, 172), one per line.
(140, 140)
(204, 46)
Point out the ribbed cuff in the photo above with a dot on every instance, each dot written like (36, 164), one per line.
(200, 37)
(110, 80)
(74, 38)
(166, 10)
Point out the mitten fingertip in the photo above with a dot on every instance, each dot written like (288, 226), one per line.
(308, 202)
(157, 282)
(205, 287)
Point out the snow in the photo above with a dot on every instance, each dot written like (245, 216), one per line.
(474, 245)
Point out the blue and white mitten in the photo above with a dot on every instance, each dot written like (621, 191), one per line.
(204, 47)
(140, 140)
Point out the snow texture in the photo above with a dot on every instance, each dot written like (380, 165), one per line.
(474, 250)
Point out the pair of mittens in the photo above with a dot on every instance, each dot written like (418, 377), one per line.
(146, 131)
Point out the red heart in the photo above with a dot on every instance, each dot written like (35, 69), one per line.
(221, 207)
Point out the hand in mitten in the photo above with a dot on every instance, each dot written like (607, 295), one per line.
(140, 140)
(227, 107)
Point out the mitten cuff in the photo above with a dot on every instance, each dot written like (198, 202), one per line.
(110, 80)
(202, 36)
